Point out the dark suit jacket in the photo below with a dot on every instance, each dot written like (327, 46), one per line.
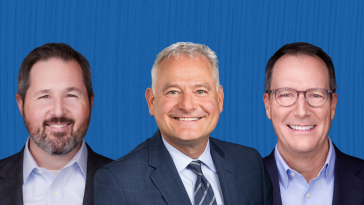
(147, 175)
(349, 179)
(11, 177)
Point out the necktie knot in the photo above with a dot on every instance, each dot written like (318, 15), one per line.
(195, 166)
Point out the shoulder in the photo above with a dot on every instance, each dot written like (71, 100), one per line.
(137, 155)
(354, 160)
(348, 161)
(269, 159)
(232, 150)
(240, 156)
(97, 159)
(9, 164)
(12, 160)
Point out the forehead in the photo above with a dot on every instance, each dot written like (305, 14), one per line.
(47, 73)
(300, 72)
(184, 67)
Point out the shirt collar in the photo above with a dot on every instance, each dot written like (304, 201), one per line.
(284, 170)
(330, 161)
(181, 160)
(29, 163)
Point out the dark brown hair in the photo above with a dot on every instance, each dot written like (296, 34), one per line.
(296, 49)
(52, 50)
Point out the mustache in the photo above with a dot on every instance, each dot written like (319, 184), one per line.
(58, 120)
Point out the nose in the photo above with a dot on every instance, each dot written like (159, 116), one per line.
(58, 108)
(187, 103)
(301, 107)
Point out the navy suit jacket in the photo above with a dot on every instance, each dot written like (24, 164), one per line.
(148, 175)
(349, 179)
(11, 177)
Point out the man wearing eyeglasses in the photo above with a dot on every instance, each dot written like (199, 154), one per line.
(300, 98)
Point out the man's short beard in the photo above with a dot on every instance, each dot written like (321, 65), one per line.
(62, 144)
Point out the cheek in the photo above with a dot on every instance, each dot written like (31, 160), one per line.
(35, 114)
(210, 106)
(163, 107)
(79, 112)
(325, 116)
(278, 114)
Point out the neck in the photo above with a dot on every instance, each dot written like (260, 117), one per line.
(192, 150)
(308, 164)
(47, 161)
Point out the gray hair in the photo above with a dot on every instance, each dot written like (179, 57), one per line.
(191, 50)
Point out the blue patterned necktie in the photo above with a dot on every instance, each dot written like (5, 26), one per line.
(203, 190)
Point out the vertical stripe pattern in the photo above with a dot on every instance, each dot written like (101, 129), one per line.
(203, 190)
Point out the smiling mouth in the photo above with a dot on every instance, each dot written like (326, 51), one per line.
(58, 125)
(187, 118)
(296, 127)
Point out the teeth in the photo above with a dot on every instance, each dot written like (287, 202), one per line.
(187, 118)
(295, 127)
(58, 126)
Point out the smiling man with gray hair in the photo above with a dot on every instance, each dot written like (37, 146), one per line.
(181, 163)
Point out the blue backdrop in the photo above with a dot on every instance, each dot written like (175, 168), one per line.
(122, 38)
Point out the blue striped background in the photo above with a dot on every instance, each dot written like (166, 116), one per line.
(122, 38)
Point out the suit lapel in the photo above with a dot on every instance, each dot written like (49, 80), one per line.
(165, 177)
(11, 179)
(270, 164)
(88, 197)
(94, 162)
(226, 174)
(348, 188)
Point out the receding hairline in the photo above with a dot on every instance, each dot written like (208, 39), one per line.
(184, 55)
(63, 60)
(190, 49)
(300, 55)
(54, 58)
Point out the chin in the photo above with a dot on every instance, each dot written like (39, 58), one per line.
(304, 147)
(189, 135)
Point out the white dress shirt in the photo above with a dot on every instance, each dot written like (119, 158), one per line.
(44, 187)
(294, 187)
(189, 178)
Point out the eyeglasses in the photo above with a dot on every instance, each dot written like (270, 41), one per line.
(315, 97)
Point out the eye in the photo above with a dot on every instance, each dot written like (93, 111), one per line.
(71, 95)
(173, 92)
(44, 97)
(285, 95)
(201, 92)
(316, 96)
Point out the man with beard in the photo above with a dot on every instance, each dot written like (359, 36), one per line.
(55, 98)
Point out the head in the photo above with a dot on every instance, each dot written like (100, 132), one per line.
(55, 97)
(186, 99)
(300, 128)
(187, 49)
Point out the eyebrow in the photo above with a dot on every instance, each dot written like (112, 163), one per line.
(73, 89)
(47, 91)
(44, 91)
(205, 85)
(166, 87)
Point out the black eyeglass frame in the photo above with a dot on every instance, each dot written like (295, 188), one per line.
(298, 95)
